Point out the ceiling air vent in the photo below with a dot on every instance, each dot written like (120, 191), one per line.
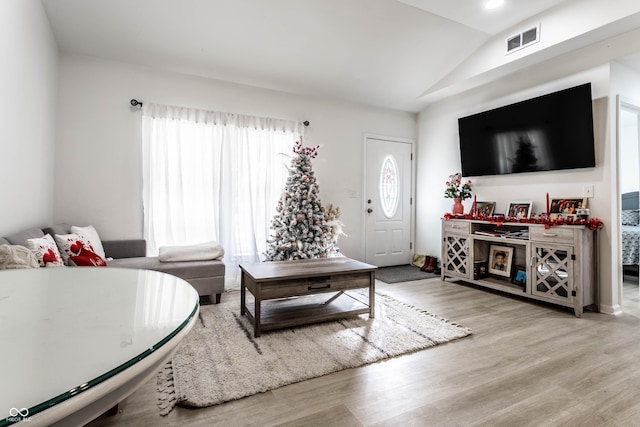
(523, 39)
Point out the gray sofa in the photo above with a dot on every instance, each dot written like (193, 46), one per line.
(207, 277)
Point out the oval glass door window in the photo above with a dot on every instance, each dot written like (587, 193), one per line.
(389, 186)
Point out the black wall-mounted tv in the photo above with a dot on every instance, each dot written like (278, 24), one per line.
(550, 132)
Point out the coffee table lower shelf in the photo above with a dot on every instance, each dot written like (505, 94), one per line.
(302, 310)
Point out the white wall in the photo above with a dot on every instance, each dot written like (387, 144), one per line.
(28, 85)
(98, 163)
(439, 156)
(629, 143)
(625, 83)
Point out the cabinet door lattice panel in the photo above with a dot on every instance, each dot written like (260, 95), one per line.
(456, 260)
(553, 272)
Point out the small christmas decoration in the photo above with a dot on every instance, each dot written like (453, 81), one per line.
(332, 220)
(300, 228)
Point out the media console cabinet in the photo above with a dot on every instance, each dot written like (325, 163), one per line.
(556, 265)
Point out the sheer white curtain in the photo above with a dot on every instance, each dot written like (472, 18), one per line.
(213, 176)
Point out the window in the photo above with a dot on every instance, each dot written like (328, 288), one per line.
(212, 176)
(389, 186)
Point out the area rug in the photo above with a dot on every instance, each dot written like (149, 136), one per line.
(402, 273)
(220, 360)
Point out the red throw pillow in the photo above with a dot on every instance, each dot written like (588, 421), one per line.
(86, 258)
(71, 244)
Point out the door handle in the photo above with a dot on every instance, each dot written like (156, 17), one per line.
(318, 288)
(369, 210)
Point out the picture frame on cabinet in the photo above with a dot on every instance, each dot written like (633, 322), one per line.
(520, 276)
(520, 210)
(500, 259)
(566, 207)
(483, 209)
(479, 270)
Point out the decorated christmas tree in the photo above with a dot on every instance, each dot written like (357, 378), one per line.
(300, 228)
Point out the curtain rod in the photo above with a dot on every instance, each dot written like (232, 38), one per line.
(134, 103)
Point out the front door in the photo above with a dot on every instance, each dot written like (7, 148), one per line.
(388, 178)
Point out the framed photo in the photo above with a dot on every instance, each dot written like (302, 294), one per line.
(566, 207)
(479, 270)
(520, 276)
(484, 208)
(520, 210)
(500, 258)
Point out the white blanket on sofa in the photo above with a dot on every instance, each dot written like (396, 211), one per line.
(200, 252)
(15, 256)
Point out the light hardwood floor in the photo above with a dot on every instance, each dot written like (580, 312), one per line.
(526, 364)
(631, 296)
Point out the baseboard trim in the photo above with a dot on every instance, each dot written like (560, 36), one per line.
(611, 309)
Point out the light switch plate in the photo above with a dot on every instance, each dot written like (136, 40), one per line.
(587, 190)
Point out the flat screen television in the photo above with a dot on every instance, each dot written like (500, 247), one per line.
(550, 132)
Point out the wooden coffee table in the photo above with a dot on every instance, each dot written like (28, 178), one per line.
(275, 284)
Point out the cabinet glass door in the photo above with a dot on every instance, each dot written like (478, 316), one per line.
(456, 261)
(553, 272)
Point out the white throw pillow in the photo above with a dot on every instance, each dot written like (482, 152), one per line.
(92, 236)
(46, 251)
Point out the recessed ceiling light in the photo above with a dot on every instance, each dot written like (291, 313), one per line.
(493, 4)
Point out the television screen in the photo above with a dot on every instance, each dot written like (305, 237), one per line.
(550, 132)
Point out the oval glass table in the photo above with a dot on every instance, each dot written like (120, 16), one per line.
(76, 341)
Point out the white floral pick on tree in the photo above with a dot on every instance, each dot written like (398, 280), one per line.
(332, 216)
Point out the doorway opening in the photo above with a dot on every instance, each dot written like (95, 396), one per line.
(388, 210)
(629, 183)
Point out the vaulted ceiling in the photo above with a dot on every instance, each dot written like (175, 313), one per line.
(397, 54)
